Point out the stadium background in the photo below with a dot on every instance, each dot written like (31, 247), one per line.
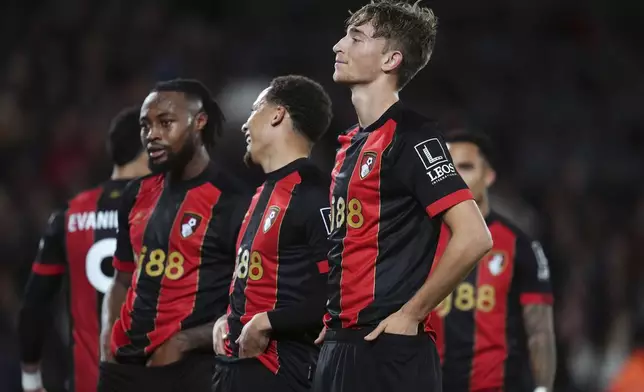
(557, 85)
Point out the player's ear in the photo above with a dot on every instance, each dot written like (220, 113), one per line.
(391, 60)
(278, 115)
(490, 176)
(200, 121)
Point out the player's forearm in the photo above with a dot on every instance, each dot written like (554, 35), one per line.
(196, 338)
(115, 297)
(463, 251)
(538, 321)
(304, 315)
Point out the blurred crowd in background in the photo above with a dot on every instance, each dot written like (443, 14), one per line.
(557, 86)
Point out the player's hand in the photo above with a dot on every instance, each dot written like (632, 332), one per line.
(398, 323)
(255, 336)
(169, 352)
(321, 336)
(220, 335)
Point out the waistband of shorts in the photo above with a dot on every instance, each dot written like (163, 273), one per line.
(347, 335)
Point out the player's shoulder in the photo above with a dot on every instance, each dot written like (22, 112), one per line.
(86, 195)
(507, 224)
(226, 182)
(411, 122)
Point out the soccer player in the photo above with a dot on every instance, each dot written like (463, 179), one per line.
(278, 293)
(80, 241)
(392, 185)
(175, 249)
(499, 320)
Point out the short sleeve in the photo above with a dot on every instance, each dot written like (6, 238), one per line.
(51, 257)
(124, 259)
(532, 273)
(423, 163)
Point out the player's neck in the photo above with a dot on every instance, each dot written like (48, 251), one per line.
(484, 206)
(371, 101)
(194, 167)
(280, 157)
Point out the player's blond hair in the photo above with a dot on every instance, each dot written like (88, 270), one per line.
(409, 28)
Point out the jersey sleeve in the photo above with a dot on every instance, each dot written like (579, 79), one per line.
(51, 257)
(424, 166)
(314, 207)
(45, 281)
(532, 273)
(124, 258)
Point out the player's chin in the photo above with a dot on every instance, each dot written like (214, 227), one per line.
(159, 165)
(248, 159)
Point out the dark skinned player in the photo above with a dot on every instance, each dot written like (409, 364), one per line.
(175, 253)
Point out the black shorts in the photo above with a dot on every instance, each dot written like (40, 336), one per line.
(245, 375)
(191, 374)
(391, 363)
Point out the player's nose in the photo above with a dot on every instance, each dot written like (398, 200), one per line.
(336, 47)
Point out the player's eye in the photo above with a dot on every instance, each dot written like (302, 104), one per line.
(166, 123)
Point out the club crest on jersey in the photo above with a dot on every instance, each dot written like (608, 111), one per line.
(367, 163)
(496, 263)
(189, 224)
(273, 211)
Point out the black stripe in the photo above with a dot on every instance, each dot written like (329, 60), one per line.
(341, 189)
(156, 236)
(238, 304)
(215, 269)
(460, 330)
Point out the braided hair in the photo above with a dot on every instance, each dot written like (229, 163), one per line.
(195, 90)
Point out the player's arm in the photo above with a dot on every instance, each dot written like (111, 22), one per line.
(124, 265)
(533, 279)
(425, 167)
(35, 315)
(314, 207)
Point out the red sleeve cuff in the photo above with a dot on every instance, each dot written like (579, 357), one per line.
(47, 269)
(323, 266)
(448, 201)
(123, 266)
(536, 299)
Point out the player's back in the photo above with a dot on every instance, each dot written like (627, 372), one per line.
(81, 241)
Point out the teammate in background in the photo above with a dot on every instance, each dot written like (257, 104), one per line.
(278, 292)
(496, 329)
(175, 250)
(392, 185)
(79, 240)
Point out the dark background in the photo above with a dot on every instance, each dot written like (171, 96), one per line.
(557, 84)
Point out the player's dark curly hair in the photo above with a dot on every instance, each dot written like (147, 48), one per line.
(479, 139)
(195, 90)
(305, 101)
(409, 28)
(124, 137)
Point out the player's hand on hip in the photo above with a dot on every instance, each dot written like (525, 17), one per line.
(170, 351)
(255, 336)
(321, 336)
(220, 335)
(398, 323)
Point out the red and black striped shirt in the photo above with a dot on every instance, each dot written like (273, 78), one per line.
(390, 183)
(282, 266)
(481, 336)
(179, 241)
(79, 241)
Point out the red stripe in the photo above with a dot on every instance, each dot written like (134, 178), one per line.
(261, 294)
(490, 339)
(536, 299)
(323, 266)
(360, 244)
(146, 200)
(345, 143)
(123, 266)
(449, 201)
(178, 294)
(84, 305)
(48, 269)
